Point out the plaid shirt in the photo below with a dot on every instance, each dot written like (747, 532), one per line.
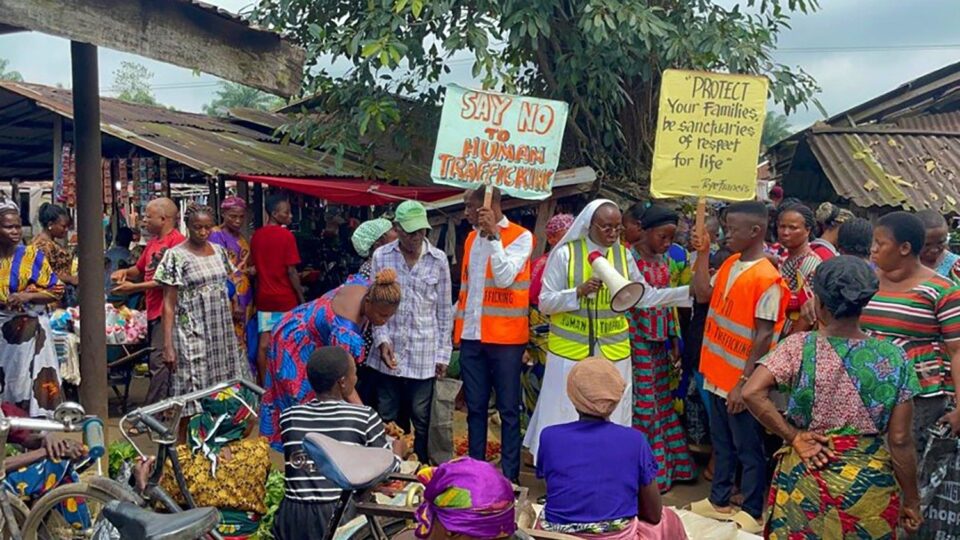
(421, 331)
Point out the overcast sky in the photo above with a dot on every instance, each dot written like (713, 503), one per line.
(854, 48)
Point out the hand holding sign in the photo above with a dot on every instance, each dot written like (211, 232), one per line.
(708, 137)
(511, 142)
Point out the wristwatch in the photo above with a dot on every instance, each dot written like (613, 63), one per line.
(493, 237)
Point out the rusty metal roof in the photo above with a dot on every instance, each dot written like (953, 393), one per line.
(210, 145)
(886, 168)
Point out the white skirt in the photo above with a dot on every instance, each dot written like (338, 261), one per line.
(554, 407)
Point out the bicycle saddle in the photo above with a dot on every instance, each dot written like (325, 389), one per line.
(350, 467)
(133, 522)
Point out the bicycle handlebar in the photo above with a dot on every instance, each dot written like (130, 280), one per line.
(38, 424)
(193, 396)
(146, 413)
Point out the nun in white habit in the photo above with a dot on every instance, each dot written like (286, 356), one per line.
(600, 225)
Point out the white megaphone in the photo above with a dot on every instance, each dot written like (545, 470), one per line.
(624, 294)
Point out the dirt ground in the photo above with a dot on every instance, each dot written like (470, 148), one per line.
(679, 496)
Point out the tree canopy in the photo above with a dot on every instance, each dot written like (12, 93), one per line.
(776, 127)
(232, 95)
(603, 57)
(131, 82)
(11, 75)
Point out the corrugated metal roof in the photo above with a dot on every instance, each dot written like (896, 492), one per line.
(873, 167)
(211, 145)
(946, 122)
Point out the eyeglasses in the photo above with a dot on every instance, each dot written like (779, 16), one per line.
(610, 229)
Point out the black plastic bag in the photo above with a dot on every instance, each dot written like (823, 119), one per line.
(940, 489)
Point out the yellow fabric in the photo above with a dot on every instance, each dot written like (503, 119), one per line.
(241, 481)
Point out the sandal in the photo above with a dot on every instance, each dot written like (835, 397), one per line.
(747, 523)
(705, 508)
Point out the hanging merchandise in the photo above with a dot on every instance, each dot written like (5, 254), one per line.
(164, 185)
(122, 194)
(68, 194)
(144, 185)
(106, 177)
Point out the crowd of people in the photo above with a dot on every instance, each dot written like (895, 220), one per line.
(839, 336)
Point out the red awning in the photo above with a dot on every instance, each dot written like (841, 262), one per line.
(352, 191)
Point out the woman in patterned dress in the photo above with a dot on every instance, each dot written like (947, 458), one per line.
(29, 369)
(654, 337)
(56, 224)
(836, 477)
(200, 346)
(229, 235)
(338, 319)
(795, 222)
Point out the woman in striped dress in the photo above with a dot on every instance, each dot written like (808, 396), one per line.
(654, 337)
(918, 310)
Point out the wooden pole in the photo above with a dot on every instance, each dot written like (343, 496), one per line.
(488, 196)
(86, 136)
(700, 222)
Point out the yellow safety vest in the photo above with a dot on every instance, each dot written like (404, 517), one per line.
(570, 332)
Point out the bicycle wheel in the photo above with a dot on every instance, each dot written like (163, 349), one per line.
(71, 511)
(391, 526)
(20, 512)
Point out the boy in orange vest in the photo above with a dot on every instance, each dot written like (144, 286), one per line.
(492, 324)
(748, 301)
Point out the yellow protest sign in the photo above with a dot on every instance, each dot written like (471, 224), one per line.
(708, 135)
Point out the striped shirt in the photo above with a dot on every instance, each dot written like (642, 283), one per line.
(921, 321)
(351, 424)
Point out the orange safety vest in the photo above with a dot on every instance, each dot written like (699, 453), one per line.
(505, 315)
(731, 323)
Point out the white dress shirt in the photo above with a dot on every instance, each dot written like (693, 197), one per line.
(505, 263)
(556, 297)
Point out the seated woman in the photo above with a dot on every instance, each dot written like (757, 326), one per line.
(848, 391)
(601, 477)
(466, 499)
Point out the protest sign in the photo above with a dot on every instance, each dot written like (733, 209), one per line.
(708, 135)
(511, 142)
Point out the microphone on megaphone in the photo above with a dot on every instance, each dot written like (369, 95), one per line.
(624, 294)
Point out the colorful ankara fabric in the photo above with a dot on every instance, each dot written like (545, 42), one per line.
(296, 336)
(822, 373)
(206, 345)
(681, 271)
(921, 320)
(222, 420)
(797, 272)
(651, 331)
(855, 497)
(531, 375)
(35, 480)
(29, 368)
(467, 497)
(238, 251)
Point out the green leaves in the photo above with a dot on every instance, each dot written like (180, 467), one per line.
(603, 57)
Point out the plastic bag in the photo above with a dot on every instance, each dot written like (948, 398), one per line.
(440, 439)
(940, 496)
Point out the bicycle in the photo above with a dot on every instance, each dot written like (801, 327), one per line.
(44, 517)
(68, 417)
(360, 470)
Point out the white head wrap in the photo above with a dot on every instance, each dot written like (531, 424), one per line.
(581, 225)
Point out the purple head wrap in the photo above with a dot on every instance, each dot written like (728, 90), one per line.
(468, 497)
(559, 224)
(231, 203)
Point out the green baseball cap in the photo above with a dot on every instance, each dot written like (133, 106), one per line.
(411, 216)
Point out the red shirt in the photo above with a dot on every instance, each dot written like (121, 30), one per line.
(274, 249)
(149, 260)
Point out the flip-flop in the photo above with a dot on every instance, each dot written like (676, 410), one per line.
(747, 523)
(705, 509)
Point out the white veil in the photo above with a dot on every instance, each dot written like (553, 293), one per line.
(581, 226)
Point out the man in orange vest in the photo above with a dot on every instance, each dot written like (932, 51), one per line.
(748, 301)
(492, 324)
